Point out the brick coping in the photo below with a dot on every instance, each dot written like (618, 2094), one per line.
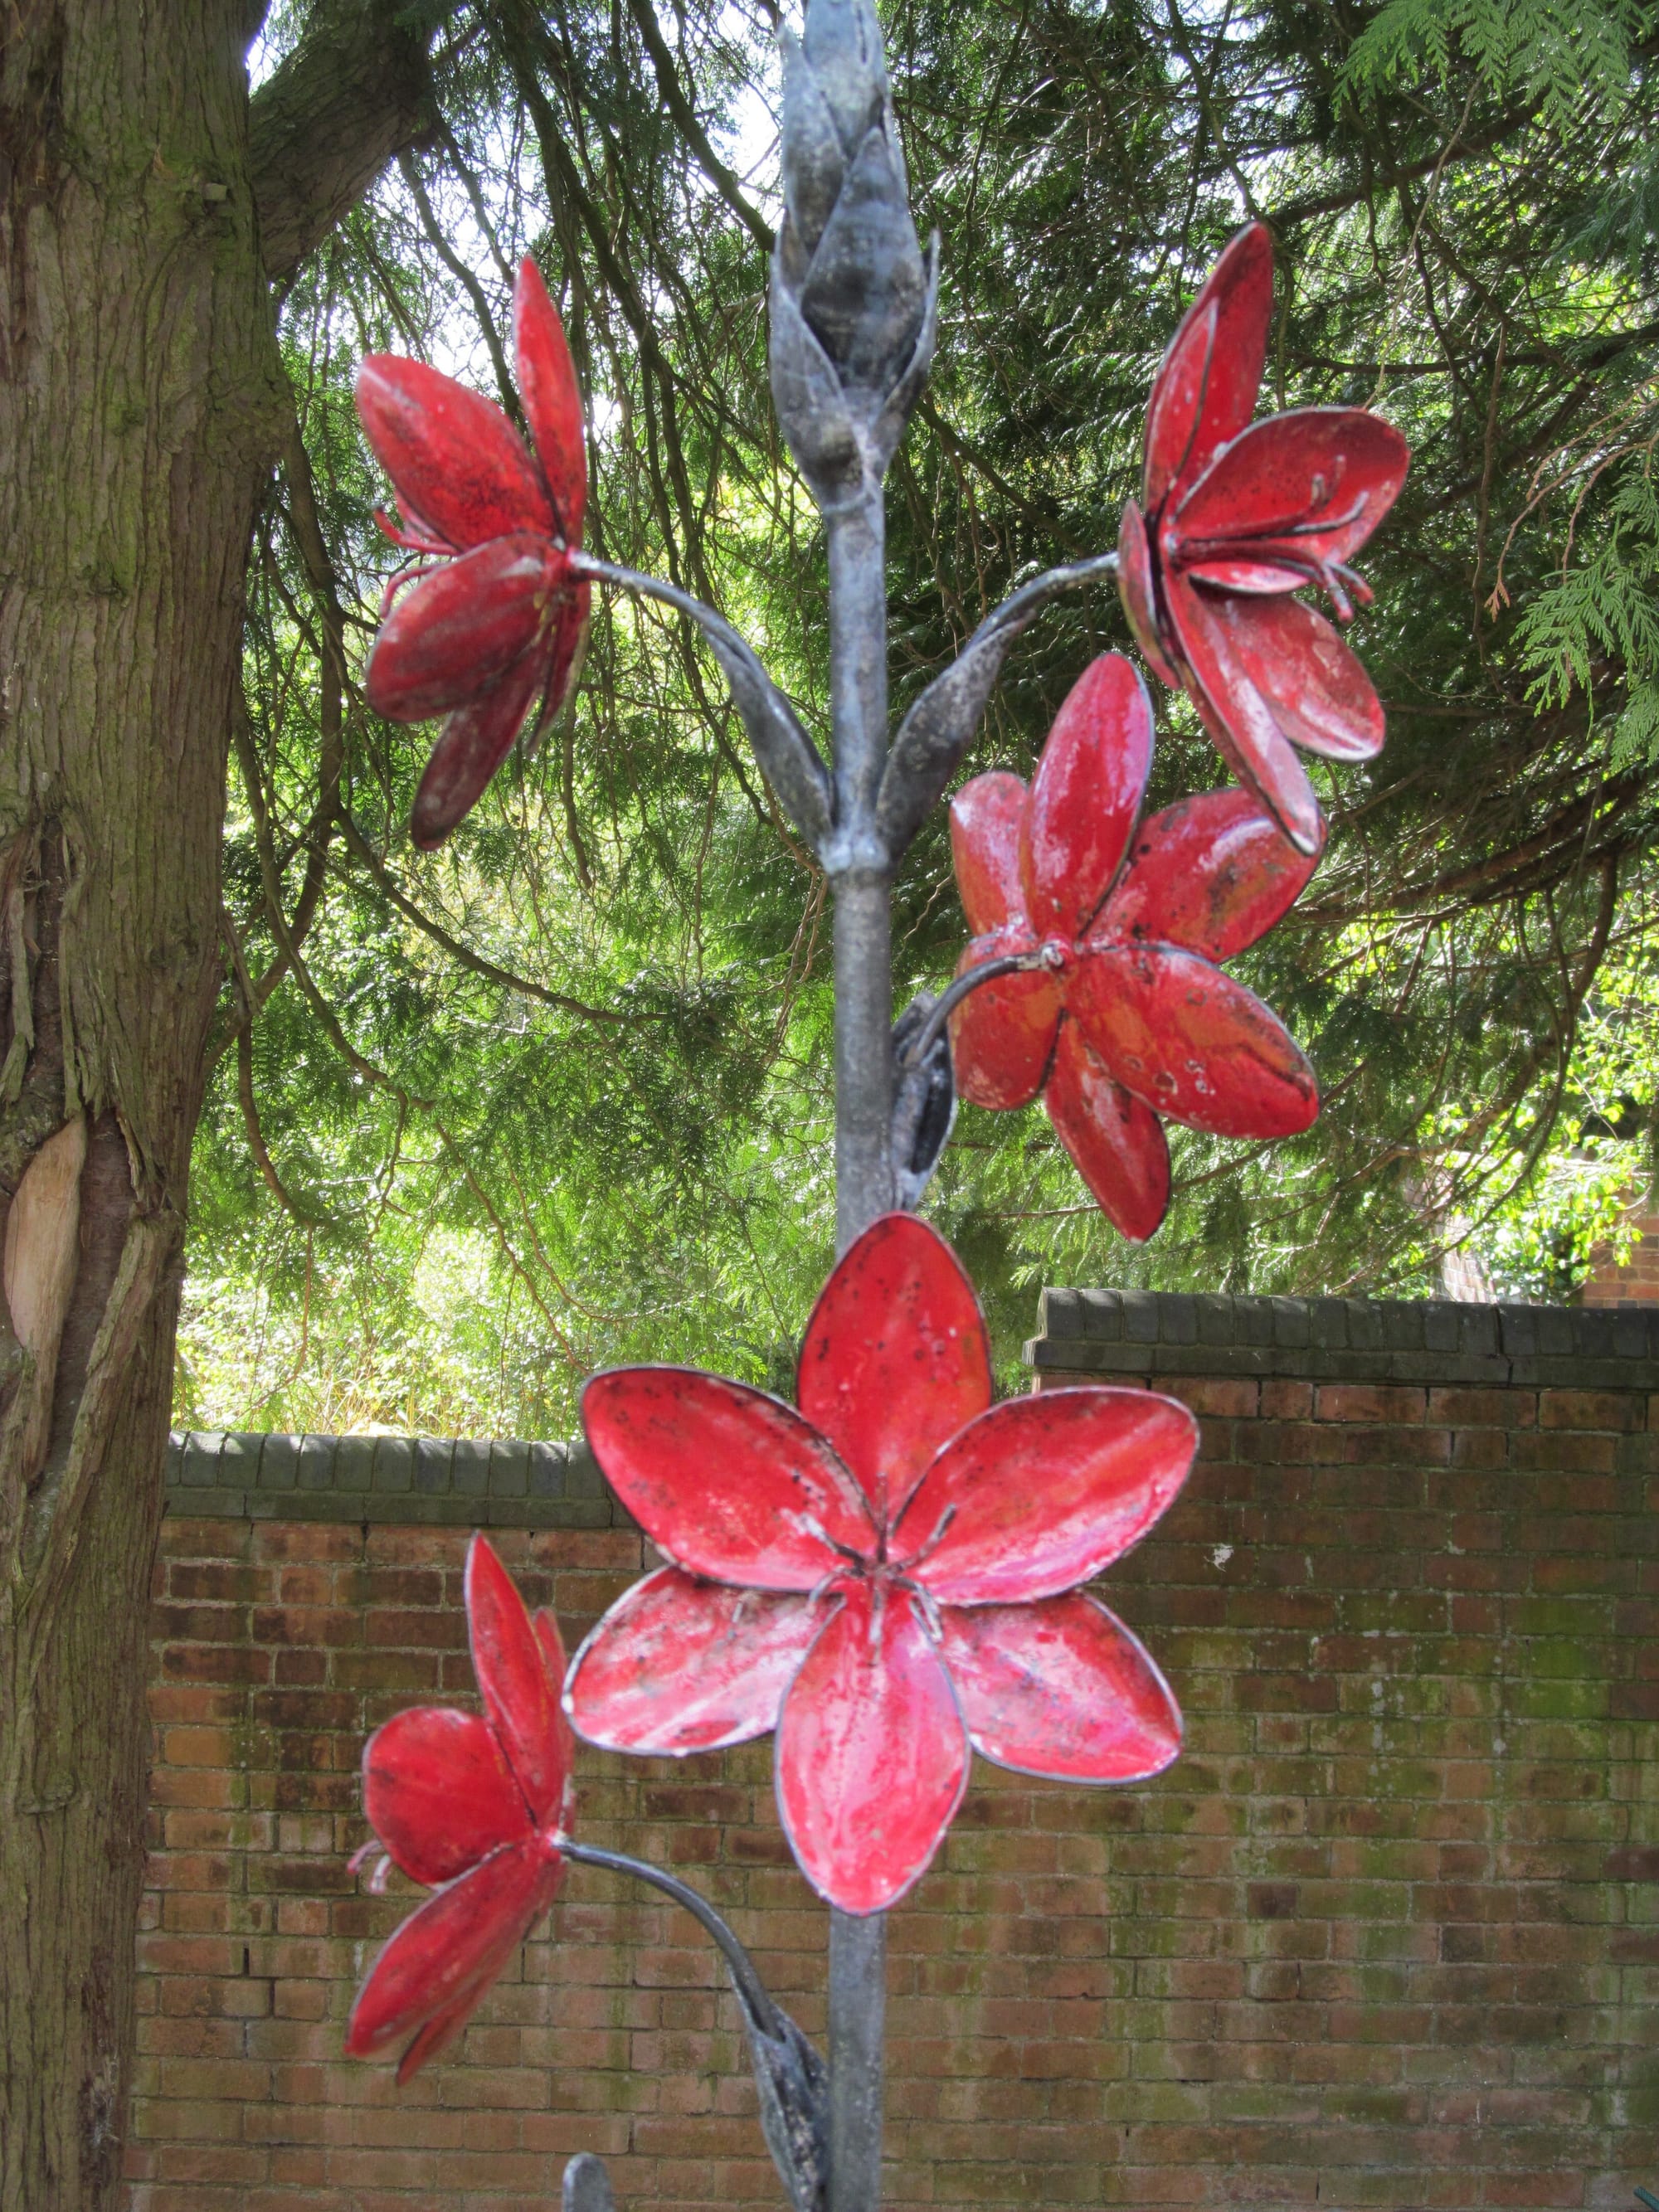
(1428, 1341)
(443, 1481)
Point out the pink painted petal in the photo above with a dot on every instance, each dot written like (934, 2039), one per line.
(1059, 1689)
(1315, 689)
(439, 1793)
(1003, 1034)
(1195, 1045)
(1210, 874)
(449, 1952)
(435, 2037)
(1085, 796)
(985, 819)
(454, 456)
(459, 629)
(1239, 719)
(522, 1704)
(894, 1358)
(1116, 1140)
(872, 1756)
(477, 738)
(1205, 391)
(678, 1665)
(728, 1482)
(1139, 593)
(1041, 1493)
(1311, 485)
(552, 399)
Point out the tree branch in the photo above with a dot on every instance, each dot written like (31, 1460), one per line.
(354, 92)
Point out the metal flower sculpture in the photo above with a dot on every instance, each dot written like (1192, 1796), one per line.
(1117, 1013)
(885, 1576)
(1233, 517)
(499, 629)
(475, 1805)
(890, 1574)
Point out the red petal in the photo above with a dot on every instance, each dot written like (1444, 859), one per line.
(521, 1702)
(447, 1954)
(1139, 593)
(1210, 874)
(1041, 1493)
(894, 1358)
(454, 456)
(439, 1793)
(477, 738)
(1318, 693)
(1239, 719)
(1313, 483)
(569, 650)
(1205, 391)
(438, 2034)
(1115, 1139)
(552, 399)
(985, 819)
(678, 1665)
(1059, 1689)
(1194, 1044)
(1003, 1034)
(459, 629)
(872, 1756)
(1084, 796)
(729, 1482)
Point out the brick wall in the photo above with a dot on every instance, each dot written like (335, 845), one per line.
(1637, 1281)
(1387, 1935)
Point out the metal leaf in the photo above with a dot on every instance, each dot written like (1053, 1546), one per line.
(924, 1103)
(792, 2084)
(588, 2184)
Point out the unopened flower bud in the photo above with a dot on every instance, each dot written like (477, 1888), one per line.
(852, 299)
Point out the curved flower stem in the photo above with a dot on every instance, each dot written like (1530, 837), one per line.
(936, 733)
(788, 755)
(744, 1976)
(1008, 964)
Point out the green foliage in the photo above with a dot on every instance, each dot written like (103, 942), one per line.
(560, 1095)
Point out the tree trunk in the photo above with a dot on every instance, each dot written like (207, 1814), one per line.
(138, 396)
(141, 400)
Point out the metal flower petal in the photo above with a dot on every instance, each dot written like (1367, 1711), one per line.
(1042, 1493)
(451, 453)
(1194, 1044)
(679, 1665)
(895, 1360)
(1002, 1035)
(552, 399)
(985, 826)
(872, 1754)
(1059, 1689)
(1085, 797)
(1116, 1140)
(439, 1793)
(510, 1664)
(1205, 391)
(1211, 874)
(443, 1957)
(477, 738)
(729, 1482)
(458, 631)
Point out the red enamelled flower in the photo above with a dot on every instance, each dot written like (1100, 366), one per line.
(499, 627)
(1127, 1017)
(1235, 516)
(887, 1576)
(476, 1807)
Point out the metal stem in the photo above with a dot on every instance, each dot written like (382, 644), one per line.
(740, 1966)
(860, 875)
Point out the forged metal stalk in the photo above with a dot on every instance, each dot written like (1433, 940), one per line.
(854, 307)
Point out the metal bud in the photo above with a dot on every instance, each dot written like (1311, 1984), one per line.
(854, 300)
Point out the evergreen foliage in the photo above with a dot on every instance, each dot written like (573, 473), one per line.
(559, 1095)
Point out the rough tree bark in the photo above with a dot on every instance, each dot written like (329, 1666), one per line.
(141, 403)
